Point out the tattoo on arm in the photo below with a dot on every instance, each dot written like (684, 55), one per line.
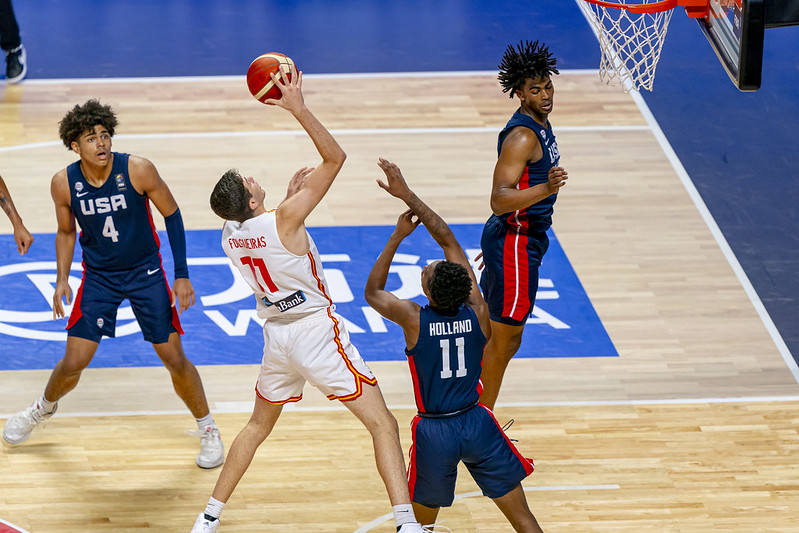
(431, 220)
(5, 204)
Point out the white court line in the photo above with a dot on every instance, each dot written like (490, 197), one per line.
(386, 517)
(246, 407)
(671, 155)
(351, 131)
(342, 76)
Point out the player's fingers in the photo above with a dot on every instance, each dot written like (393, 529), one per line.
(382, 185)
(172, 298)
(271, 101)
(299, 80)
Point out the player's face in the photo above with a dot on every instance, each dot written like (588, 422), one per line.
(94, 146)
(427, 275)
(257, 192)
(537, 95)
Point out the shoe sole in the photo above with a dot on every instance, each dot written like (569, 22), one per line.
(209, 466)
(10, 442)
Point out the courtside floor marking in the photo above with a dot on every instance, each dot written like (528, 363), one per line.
(13, 527)
(386, 517)
(353, 131)
(241, 78)
(246, 407)
(678, 167)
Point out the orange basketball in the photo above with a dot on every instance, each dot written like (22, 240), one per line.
(259, 80)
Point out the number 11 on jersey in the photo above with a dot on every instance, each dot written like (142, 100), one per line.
(253, 262)
(446, 372)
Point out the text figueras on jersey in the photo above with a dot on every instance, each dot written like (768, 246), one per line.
(444, 344)
(108, 194)
(526, 182)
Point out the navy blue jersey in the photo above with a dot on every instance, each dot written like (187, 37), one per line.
(117, 230)
(447, 360)
(537, 217)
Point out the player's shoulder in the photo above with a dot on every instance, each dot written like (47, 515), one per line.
(139, 164)
(60, 180)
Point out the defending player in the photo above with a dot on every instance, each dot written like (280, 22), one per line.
(527, 179)
(22, 236)
(445, 342)
(109, 194)
(304, 339)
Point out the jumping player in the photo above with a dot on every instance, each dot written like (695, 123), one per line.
(445, 341)
(22, 236)
(304, 339)
(109, 194)
(527, 179)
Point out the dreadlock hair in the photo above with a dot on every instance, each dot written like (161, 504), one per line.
(83, 118)
(449, 286)
(230, 200)
(527, 60)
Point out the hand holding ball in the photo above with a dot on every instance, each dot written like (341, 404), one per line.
(259, 79)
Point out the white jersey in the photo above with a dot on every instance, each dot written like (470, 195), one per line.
(285, 284)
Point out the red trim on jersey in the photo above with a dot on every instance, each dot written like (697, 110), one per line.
(281, 402)
(527, 463)
(339, 347)
(417, 393)
(76, 313)
(152, 224)
(412, 456)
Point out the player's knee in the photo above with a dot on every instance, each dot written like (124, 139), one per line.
(74, 364)
(384, 422)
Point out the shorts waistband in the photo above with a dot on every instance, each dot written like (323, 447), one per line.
(448, 415)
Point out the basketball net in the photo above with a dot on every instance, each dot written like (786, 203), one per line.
(631, 35)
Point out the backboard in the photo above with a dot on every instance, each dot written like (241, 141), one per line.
(735, 30)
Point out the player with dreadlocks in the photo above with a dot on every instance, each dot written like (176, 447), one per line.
(527, 179)
(444, 344)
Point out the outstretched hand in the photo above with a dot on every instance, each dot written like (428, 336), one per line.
(396, 185)
(297, 181)
(406, 224)
(291, 91)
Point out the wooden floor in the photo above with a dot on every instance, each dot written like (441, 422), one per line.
(611, 453)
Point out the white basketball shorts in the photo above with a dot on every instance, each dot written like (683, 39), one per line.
(317, 349)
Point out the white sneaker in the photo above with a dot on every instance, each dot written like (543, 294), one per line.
(212, 452)
(201, 525)
(20, 426)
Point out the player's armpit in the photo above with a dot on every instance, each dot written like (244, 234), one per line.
(401, 312)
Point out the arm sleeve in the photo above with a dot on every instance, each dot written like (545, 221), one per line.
(177, 241)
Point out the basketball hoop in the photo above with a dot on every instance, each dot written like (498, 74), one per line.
(631, 35)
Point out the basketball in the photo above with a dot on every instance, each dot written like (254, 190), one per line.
(259, 81)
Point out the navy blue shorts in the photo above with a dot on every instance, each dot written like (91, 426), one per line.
(473, 437)
(510, 276)
(101, 292)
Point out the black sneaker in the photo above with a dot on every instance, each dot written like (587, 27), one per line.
(15, 65)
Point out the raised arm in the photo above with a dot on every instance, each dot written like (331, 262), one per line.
(292, 212)
(439, 230)
(520, 146)
(22, 236)
(146, 180)
(64, 241)
(403, 312)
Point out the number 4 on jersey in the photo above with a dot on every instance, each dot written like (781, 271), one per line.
(109, 230)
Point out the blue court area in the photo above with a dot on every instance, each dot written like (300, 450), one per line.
(740, 150)
(222, 328)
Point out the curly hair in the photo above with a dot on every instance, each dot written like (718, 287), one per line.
(82, 118)
(527, 60)
(230, 200)
(449, 286)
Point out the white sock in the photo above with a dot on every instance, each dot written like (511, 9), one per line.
(403, 514)
(205, 421)
(213, 509)
(44, 405)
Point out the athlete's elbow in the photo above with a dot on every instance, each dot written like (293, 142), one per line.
(497, 206)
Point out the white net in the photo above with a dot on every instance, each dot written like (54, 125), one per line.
(630, 42)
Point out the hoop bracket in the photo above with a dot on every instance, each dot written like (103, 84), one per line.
(693, 8)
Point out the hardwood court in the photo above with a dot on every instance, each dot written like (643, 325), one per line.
(610, 454)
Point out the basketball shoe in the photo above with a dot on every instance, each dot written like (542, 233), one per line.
(20, 426)
(201, 525)
(16, 64)
(212, 452)
(414, 527)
